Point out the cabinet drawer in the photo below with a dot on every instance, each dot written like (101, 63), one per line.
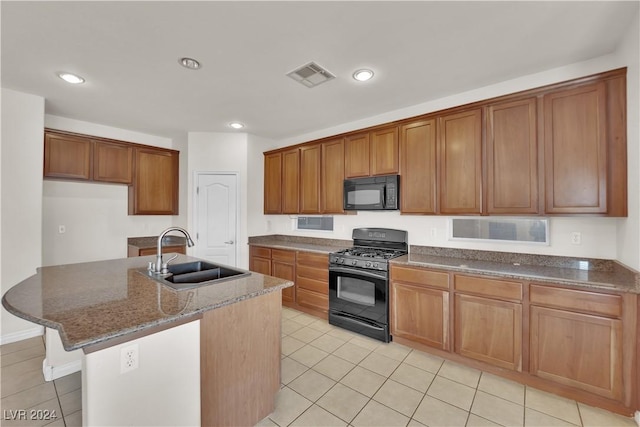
(420, 276)
(582, 301)
(313, 273)
(312, 285)
(260, 251)
(313, 260)
(312, 300)
(283, 255)
(494, 288)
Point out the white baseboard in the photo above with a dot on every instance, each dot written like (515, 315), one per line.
(21, 335)
(636, 417)
(54, 372)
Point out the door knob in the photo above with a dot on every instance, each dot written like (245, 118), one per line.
(230, 242)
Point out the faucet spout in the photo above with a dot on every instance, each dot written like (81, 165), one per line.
(159, 266)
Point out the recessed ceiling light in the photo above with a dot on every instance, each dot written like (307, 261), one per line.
(71, 78)
(363, 75)
(236, 125)
(189, 63)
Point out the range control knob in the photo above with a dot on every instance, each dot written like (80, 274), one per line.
(368, 264)
(375, 265)
(354, 262)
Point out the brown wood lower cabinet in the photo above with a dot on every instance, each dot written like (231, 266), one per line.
(419, 306)
(581, 349)
(137, 251)
(308, 270)
(312, 281)
(579, 343)
(275, 262)
(489, 330)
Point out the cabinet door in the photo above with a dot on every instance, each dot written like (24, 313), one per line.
(286, 271)
(332, 176)
(260, 265)
(460, 156)
(384, 151)
(155, 187)
(576, 150)
(273, 183)
(112, 162)
(310, 159)
(290, 181)
(312, 280)
(67, 157)
(489, 330)
(418, 167)
(578, 350)
(512, 158)
(421, 314)
(356, 155)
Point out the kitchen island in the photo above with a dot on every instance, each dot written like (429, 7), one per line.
(156, 356)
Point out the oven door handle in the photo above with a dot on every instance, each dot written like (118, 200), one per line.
(359, 272)
(357, 321)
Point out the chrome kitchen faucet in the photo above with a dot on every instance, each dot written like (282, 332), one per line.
(160, 267)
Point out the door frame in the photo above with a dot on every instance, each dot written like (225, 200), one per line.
(196, 176)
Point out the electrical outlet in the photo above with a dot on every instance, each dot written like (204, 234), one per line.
(129, 358)
(576, 238)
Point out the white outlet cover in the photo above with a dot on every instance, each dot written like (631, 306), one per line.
(129, 358)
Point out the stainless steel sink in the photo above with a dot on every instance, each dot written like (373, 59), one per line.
(189, 275)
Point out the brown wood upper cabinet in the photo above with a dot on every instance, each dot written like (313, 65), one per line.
(332, 176)
(310, 178)
(512, 157)
(418, 167)
(575, 142)
(67, 156)
(371, 153)
(155, 183)
(112, 162)
(273, 183)
(460, 155)
(290, 181)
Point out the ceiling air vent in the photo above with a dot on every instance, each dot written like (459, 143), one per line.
(311, 75)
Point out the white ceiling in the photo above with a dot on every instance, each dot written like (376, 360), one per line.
(128, 53)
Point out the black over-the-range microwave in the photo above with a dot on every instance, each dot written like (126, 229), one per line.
(372, 193)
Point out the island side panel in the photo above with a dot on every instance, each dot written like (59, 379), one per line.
(163, 391)
(240, 361)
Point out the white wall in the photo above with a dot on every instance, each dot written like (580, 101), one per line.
(96, 215)
(629, 228)
(221, 152)
(21, 208)
(599, 235)
(163, 391)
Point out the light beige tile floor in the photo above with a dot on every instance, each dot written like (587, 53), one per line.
(332, 377)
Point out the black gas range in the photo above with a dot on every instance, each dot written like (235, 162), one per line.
(359, 281)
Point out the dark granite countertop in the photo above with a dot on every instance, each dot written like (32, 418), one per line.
(608, 275)
(299, 243)
(94, 302)
(584, 272)
(152, 241)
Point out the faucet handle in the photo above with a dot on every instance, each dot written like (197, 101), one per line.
(165, 265)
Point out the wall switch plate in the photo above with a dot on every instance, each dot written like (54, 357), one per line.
(576, 238)
(129, 358)
(434, 232)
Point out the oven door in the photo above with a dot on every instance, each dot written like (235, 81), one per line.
(358, 301)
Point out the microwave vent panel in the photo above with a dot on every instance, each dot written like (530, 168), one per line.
(311, 75)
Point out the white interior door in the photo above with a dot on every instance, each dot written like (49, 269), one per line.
(216, 217)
